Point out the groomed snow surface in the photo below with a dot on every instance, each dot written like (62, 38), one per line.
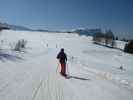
(33, 74)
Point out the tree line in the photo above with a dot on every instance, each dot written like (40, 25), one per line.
(107, 38)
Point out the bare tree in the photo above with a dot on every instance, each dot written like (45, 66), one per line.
(109, 38)
(20, 45)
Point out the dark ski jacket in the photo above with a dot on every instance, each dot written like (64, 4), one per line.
(62, 57)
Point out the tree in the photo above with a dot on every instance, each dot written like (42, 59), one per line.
(116, 38)
(129, 47)
(109, 37)
(97, 37)
(113, 44)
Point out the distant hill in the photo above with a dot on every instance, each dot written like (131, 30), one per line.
(3, 26)
(86, 31)
(41, 30)
(13, 27)
(16, 27)
(20, 28)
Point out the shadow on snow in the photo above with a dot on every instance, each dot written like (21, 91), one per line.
(79, 78)
(4, 56)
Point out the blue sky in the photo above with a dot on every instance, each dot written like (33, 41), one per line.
(68, 14)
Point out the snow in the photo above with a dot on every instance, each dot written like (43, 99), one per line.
(34, 73)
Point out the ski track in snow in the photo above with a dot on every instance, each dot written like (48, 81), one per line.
(36, 78)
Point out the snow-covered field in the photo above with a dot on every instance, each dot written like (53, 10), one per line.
(34, 73)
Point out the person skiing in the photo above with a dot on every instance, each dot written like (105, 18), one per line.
(62, 57)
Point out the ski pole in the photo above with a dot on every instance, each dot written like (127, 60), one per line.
(67, 68)
(57, 68)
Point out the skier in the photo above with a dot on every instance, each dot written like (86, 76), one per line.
(62, 57)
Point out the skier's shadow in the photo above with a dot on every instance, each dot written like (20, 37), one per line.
(79, 78)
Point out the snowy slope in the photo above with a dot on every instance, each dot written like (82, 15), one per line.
(34, 73)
